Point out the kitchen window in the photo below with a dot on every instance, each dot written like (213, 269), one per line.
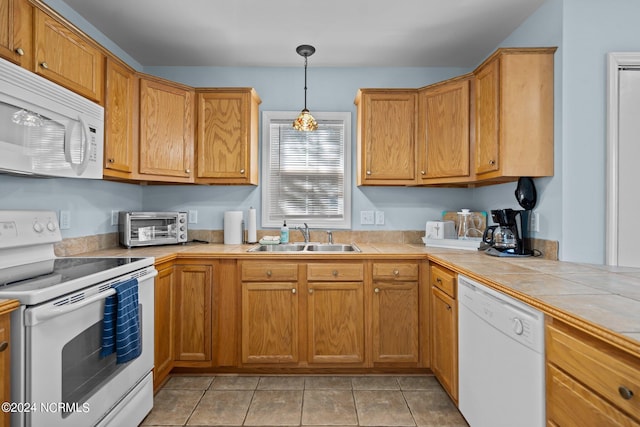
(306, 176)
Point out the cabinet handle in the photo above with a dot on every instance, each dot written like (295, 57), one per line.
(3, 346)
(368, 172)
(439, 280)
(492, 162)
(44, 65)
(310, 291)
(625, 392)
(241, 170)
(111, 160)
(396, 272)
(269, 273)
(376, 290)
(293, 291)
(448, 307)
(335, 273)
(20, 51)
(187, 170)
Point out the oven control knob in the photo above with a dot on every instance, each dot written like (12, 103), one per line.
(182, 228)
(51, 226)
(182, 220)
(182, 237)
(518, 328)
(37, 227)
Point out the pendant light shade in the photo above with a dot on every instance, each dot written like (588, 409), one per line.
(305, 121)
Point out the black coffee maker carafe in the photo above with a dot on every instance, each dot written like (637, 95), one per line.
(511, 236)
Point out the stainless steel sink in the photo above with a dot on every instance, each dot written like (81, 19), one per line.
(332, 247)
(293, 247)
(306, 247)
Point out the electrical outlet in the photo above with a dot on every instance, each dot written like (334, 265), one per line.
(193, 217)
(366, 217)
(65, 220)
(114, 218)
(535, 222)
(379, 218)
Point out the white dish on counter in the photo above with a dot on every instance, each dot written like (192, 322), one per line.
(468, 244)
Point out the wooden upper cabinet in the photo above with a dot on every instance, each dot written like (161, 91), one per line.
(166, 131)
(16, 32)
(227, 136)
(514, 114)
(119, 141)
(68, 58)
(386, 135)
(443, 131)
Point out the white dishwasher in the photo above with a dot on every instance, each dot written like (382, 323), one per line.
(500, 357)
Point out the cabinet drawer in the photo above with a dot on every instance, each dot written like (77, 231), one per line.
(611, 373)
(395, 271)
(444, 279)
(569, 403)
(260, 271)
(338, 272)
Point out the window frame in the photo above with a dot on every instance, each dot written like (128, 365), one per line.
(328, 223)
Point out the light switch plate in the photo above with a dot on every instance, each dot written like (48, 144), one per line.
(379, 218)
(193, 217)
(65, 220)
(114, 218)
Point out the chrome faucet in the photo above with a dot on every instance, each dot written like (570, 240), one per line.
(305, 232)
(329, 237)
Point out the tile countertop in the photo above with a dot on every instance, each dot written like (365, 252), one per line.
(602, 300)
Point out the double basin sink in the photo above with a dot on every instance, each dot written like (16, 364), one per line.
(306, 247)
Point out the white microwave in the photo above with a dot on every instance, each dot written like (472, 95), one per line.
(47, 130)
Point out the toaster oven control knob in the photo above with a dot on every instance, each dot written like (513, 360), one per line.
(183, 237)
(182, 228)
(51, 226)
(37, 227)
(181, 220)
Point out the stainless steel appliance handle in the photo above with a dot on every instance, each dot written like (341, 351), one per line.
(59, 311)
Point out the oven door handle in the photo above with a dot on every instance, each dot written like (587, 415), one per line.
(33, 317)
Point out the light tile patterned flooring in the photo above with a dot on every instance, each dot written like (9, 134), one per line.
(297, 400)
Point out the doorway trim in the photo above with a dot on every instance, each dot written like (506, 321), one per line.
(615, 61)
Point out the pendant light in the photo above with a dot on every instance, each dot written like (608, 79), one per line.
(305, 120)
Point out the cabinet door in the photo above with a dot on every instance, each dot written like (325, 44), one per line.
(166, 131)
(487, 114)
(5, 368)
(387, 137)
(193, 313)
(163, 326)
(228, 136)
(395, 322)
(335, 319)
(443, 114)
(444, 341)
(67, 58)
(16, 31)
(119, 112)
(269, 322)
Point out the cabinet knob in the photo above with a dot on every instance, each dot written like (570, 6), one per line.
(422, 172)
(187, 170)
(439, 280)
(335, 273)
(241, 170)
(396, 272)
(20, 51)
(293, 291)
(44, 65)
(111, 160)
(376, 290)
(492, 162)
(3, 345)
(269, 273)
(625, 392)
(311, 290)
(368, 172)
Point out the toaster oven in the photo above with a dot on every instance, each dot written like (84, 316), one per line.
(152, 228)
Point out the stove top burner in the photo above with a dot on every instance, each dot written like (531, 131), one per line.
(40, 275)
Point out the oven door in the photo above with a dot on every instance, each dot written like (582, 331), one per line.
(67, 382)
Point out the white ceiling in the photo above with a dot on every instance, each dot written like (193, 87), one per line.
(346, 33)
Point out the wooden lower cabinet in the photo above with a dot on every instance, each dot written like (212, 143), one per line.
(444, 329)
(164, 323)
(589, 382)
(6, 307)
(193, 313)
(395, 313)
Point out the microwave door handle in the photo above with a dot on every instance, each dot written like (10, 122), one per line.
(78, 168)
(44, 315)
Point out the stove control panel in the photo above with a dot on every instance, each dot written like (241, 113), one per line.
(28, 228)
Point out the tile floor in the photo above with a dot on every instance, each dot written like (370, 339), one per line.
(303, 401)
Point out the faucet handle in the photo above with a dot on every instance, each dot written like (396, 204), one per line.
(330, 236)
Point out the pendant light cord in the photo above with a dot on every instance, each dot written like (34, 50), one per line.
(305, 81)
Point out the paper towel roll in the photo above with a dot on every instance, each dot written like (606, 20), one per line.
(233, 227)
(252, 234)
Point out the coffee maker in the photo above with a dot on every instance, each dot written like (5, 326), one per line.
(511, 236)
